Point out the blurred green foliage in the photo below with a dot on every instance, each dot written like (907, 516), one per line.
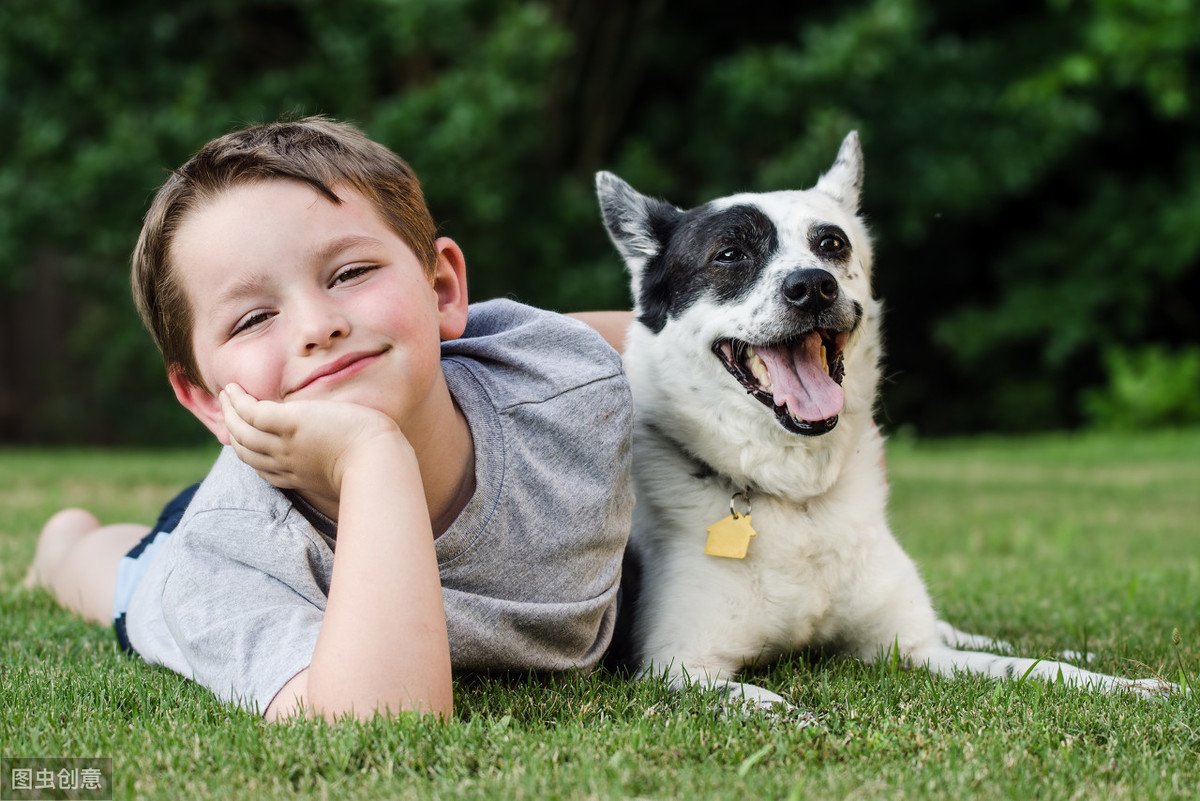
(1147, 387)
(1033, 169)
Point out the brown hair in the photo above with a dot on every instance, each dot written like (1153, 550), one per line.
(315, 150)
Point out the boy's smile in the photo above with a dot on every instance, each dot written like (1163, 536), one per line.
(294, 296)
(345, 367)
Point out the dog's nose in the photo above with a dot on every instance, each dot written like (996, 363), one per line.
(812, 290)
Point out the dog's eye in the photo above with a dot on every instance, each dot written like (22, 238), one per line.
(832, 244)
(730, 255)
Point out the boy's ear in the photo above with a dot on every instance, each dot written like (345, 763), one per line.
(201, 403)
(450, 285)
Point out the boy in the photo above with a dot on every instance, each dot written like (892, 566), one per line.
(471, 468)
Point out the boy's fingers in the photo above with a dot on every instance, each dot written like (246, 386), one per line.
(245, 406)
(265, 464)
(243, 435)
(250, 446)
(261, 415)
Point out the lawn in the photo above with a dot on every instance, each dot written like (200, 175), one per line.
(1084, 542)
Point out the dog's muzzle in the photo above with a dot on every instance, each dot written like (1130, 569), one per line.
(800, 377)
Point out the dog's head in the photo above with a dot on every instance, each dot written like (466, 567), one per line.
(773, 289)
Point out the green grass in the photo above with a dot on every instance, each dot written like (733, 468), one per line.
(1051, 543)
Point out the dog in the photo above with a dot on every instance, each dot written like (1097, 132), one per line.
(760, 523)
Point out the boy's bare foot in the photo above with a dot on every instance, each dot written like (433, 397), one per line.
(61, 532)
(76, 561)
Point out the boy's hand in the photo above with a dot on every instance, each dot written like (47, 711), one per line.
(303, 445)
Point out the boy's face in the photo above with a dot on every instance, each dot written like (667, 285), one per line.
(294, 296)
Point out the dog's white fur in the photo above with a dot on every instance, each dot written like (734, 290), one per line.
(824, 568)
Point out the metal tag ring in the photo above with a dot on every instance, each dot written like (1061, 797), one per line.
(733, 510)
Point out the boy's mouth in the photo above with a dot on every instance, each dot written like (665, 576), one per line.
(799, 378)
(338, 369)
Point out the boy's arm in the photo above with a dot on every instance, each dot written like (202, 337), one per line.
(612, 325)
(383, 643)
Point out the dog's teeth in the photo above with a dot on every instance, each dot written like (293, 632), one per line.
(824, 358)
(758, 368)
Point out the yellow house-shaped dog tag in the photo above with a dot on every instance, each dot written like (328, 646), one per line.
(730, 537)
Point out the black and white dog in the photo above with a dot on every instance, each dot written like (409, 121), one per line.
(760, 522)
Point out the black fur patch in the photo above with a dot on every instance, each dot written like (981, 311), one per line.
(719, 254)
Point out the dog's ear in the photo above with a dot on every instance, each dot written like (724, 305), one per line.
(843, 181)
(634, 221)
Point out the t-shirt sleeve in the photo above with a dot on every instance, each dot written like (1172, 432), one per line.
(537, 588)
(245, 623)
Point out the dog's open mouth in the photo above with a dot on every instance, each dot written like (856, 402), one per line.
(800, 379)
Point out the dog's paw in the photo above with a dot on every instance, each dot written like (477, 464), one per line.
(750, 695)
(966, 641)
(734, 698)
(744, 700)
(1149, 688)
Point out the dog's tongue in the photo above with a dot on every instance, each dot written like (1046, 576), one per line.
(799, 379)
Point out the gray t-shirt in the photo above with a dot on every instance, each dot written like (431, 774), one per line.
(529, 570)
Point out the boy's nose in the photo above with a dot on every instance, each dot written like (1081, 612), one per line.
(319, 325)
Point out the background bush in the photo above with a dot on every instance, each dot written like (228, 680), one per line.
(1033, 169)
(1147, 386)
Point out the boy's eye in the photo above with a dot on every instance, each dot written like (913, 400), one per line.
(351, 273)
(250, 321)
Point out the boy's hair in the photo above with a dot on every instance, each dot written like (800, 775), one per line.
(316, 150)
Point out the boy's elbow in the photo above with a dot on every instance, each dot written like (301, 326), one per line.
(338, 702)
(438, 706)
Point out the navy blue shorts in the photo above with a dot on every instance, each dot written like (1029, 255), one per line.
(134, 564)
